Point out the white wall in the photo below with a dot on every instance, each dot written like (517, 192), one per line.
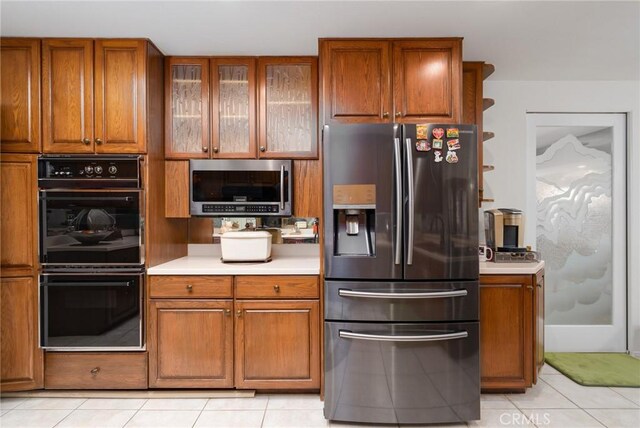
(507, 151)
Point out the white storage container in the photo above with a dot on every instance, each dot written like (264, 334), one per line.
(245, 246)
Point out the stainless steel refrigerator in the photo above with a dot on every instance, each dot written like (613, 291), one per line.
(401, 273)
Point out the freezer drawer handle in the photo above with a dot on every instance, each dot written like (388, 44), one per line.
(375, 295)
(345, 334)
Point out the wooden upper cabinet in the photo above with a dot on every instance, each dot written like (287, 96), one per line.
(233, 107)
(115, 121)
(19, 213)
(287, 105)
(391, 80)
(187, 108)
(427, 80)
(120, 96)
(356, 81)
(67, 96)
(20, 91)
(22, 362)
(472, 109)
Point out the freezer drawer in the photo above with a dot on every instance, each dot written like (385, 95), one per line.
(401, 301)
(402, 373)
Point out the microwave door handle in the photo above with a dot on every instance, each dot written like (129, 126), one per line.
(282, 187)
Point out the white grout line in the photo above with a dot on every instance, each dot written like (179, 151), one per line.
(626, 398)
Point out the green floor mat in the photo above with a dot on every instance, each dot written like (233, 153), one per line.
(597, 369)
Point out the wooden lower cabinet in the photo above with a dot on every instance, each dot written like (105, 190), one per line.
(247, 332)
(21, 366)
(96, 370)
(190, 343)
(511, 331)
(277, 344)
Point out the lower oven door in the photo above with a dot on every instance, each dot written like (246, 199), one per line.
(90, 312)
(402, 373)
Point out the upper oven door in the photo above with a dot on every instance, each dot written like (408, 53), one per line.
(91, 227)
(223, 187)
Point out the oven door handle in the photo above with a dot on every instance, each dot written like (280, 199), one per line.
(424, 295)
(345, 334)
(91, 198)
(89, 284)
(282, 187)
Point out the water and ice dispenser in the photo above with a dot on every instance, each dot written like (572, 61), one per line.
(354, 214)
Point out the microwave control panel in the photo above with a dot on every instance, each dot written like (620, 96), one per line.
(254, 209)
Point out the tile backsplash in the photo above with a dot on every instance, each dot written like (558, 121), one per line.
(284, 230)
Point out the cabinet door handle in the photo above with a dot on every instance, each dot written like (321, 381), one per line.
(227, 312)
(189, 287)
(239, 313)
(86, 141)
(205, 149)
(276, 288)
(98, 141)
(215, 150)
(385, 114)
(95, 370)
(529, 287)
(398, 114)
(263, 149)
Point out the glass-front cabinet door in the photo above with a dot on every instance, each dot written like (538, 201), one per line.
(233, 107)
(187, 111)
(288, 95)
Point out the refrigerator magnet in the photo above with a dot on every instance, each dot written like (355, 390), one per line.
(423, 146)
(452, 157)
(438, 155)
(421, 132)
(452, 133)
(453, 144)
(437, 144)
(438, 133)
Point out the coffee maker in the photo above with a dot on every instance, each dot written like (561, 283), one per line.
(504, 230)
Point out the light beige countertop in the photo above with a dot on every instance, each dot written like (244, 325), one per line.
(204, 259)
(492, 268)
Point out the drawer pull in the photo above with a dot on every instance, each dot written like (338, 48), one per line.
(345, 334)
(276, 288)
(189, 287)
(95, 370)
(376, 295)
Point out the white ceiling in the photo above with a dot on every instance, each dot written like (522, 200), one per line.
(595, 40)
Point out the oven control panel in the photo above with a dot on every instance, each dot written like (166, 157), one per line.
(88, 171)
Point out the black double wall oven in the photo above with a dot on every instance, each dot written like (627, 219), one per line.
(92, 253)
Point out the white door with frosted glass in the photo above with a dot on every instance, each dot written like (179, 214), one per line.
(577, 190)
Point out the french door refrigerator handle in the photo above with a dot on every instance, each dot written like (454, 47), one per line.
(282, 187)
(410, 200)
(398, 173)
(376, 295)
(344, 334)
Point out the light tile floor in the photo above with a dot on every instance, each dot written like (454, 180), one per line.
(555, 401)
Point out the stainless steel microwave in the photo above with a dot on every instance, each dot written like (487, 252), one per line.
(240, 187)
